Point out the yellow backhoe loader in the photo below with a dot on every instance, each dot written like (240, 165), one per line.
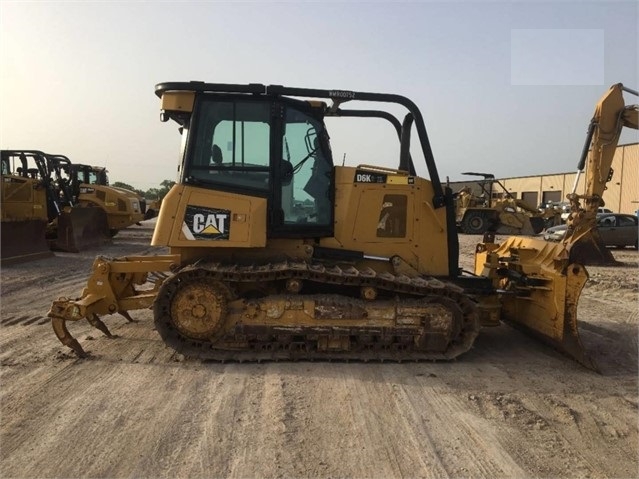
(496, 211)
(90, 188)
(275, 253)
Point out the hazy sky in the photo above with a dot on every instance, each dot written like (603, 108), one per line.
(504, 87)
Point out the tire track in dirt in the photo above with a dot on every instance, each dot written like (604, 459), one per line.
(588, 424)
(550, 436)
(238, 429)
(163, 426)
(200, 426)
(24, 451)
(326, 430)
(465, 446)
(338, 422)
(404, 450)
(264, 411)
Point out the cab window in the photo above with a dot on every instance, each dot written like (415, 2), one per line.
(606, 221)
(305, 171)
(625, 221)
(392, 217)
(232, 145)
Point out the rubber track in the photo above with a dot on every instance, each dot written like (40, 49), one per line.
(417, 287)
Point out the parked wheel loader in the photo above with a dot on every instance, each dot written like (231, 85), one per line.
(502, 214)
(276, 253)
(69, 226)
(90, 188)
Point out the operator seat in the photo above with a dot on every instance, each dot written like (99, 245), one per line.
(216, 155)
(286, 172)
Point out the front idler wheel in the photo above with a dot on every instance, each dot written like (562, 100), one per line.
(198, 309)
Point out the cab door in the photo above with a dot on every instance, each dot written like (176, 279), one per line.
(303, 177)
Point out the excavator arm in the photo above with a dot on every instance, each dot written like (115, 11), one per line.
(610, 117)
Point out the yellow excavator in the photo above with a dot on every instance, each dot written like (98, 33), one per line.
(276, 253)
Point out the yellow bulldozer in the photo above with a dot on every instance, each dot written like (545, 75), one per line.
(90, 188)
(78, 207)
(23, 211)
(67, 226)
(277, 253)
(498, 211)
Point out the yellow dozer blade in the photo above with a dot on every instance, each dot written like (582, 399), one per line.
(23, 241)
(81, 228)
(539, 290)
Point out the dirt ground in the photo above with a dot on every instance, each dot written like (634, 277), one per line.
(511, 407)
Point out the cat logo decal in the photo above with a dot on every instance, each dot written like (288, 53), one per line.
(202, 223)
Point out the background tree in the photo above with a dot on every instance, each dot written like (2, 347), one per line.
(151, 193)
(119, 184)
(159, 193)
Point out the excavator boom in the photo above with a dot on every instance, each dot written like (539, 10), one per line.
(611, 115)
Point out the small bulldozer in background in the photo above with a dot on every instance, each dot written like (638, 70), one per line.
(23, 211)
(499, 212)
(67, 225)
(89, 187)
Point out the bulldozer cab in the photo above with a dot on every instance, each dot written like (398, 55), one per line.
(83, 174)
(90, 175)
(242, 147)
(26, 205)
(257, 168)
(23, 188)
(33, 164)
(23, 210)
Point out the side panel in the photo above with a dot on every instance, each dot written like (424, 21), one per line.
(22, 199)
(367, 220)
(201, 218)
(122, 207)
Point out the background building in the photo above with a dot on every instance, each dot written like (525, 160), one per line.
(621, 196)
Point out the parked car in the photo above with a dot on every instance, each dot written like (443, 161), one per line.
(565, 211)
(615, 229)
(555, 233)
(603, 211)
